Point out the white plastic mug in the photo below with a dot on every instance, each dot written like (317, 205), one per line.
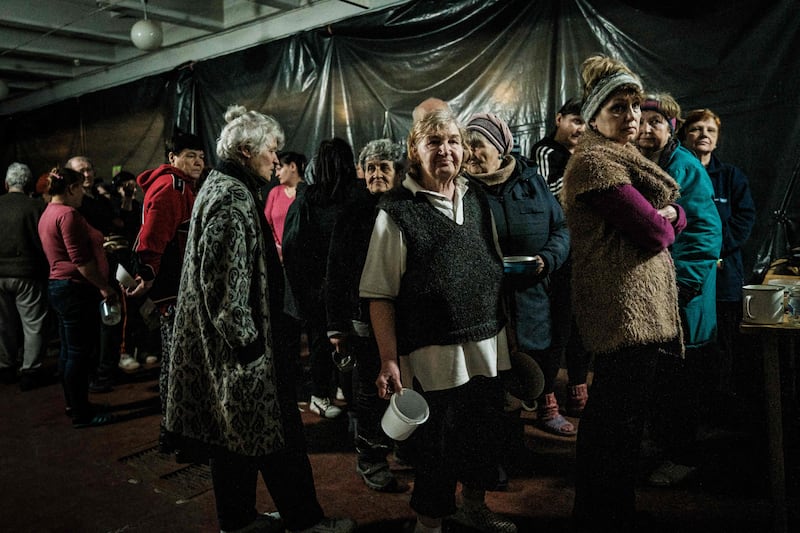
(407, 410)
(762, 304)
(124, 278)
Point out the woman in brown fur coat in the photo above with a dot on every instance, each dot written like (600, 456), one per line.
(622, 218)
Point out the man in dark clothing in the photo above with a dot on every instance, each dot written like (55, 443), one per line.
(23, 274)
(553, 151)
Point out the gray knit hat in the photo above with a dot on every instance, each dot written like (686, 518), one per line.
(494, 129)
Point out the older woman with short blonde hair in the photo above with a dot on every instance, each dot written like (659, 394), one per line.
(433, 276)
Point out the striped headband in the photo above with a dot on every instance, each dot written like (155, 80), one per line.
(603, 90)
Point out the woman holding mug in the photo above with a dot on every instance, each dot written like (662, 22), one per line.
(433, 276)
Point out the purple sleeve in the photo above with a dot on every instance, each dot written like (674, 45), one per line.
(625, 209)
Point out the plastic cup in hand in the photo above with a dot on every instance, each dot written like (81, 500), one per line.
(110, 314)
(407, 410)
(124, 278)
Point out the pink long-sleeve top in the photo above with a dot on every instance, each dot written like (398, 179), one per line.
(632, 215)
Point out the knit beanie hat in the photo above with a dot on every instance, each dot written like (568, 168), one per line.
(494, 129)
(654, 103)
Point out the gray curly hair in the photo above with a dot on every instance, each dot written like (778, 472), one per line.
(247, 130)
(384, 150)
(18, 175)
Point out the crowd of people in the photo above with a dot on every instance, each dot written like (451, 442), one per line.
(450, 264)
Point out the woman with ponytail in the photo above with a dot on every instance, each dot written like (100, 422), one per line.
(78, 280)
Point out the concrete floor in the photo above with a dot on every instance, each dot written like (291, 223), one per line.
(54, 478)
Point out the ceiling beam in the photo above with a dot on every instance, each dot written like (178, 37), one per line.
(57, 46)
(206, 15)
(43, 68)
(245, 36)
(279, 4)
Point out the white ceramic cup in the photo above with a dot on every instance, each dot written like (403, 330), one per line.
(762, 304)
(124, 277)
(407, 410)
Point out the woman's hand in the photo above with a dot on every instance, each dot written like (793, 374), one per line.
(109, 295)
(140, 289)
(669, 212)
(539, 264)
(388, 381)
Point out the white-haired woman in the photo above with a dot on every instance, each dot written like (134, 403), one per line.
(231, 392)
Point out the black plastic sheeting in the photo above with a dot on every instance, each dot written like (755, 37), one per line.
(360, 79)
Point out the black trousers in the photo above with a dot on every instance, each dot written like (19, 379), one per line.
(287, 473)
(459, 442)
(609, 438)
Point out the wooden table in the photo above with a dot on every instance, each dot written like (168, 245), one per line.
(771, 336)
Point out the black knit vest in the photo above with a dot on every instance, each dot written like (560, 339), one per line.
(450, 292)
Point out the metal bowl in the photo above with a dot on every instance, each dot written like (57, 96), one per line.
(520, 264)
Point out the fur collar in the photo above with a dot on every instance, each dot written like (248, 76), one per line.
(599, 163)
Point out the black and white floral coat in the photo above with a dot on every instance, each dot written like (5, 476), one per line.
(222, 382)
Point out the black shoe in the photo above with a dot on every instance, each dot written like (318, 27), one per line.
(165, 444)
(378, 477)
(29, 380)
(96, 420)
(101, 385)
(8, 375)
(502, 480)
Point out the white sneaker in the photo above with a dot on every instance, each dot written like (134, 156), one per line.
(264, 523)
(323, 407)
(332, 525)
(128, 363)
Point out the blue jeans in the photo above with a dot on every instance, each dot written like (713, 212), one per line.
(75, 305)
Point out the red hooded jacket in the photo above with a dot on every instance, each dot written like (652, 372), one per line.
(167, 207)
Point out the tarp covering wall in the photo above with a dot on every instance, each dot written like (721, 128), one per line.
(520, 59)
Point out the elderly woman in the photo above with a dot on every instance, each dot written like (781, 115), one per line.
(529, 222)
(229, 386)
(679, 386)
(348, 315)
(78, 278)
(433, 275)
(622, 216)
(700, 134)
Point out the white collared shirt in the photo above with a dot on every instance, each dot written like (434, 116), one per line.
(435, 367)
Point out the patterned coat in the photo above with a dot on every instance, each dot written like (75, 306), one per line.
(222, 383)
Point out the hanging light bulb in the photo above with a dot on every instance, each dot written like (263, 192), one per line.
(146, 34)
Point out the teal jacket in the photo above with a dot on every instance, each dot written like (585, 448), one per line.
(697, 248)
